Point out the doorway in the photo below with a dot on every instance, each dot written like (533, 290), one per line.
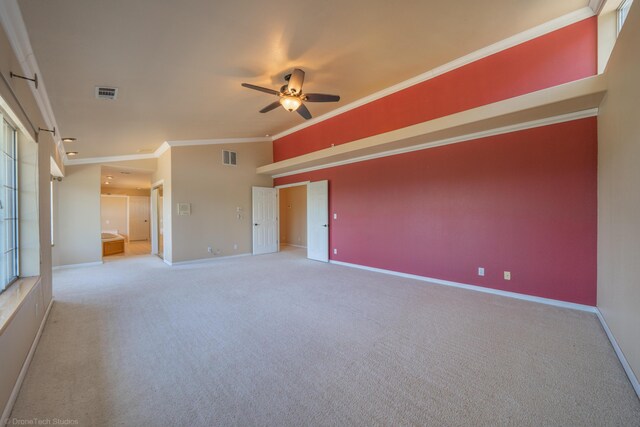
(292, 204)
(124, 225)
(300, 214)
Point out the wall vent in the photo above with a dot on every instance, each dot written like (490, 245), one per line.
(229, 157)
(103, 92)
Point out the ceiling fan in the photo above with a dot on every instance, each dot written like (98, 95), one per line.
(291, 95)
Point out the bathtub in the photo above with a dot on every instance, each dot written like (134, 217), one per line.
(112, 243)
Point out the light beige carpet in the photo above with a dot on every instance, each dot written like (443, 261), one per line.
(278, 340)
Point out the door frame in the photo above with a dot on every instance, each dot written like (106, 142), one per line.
(154, 219)
(280, 187)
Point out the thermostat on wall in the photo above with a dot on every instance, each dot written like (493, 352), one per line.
(184, 208)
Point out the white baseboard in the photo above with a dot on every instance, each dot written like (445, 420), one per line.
(84, 264)
(205, 260)
(620, 354)
(515, 295)
(295, 246)
(23, 372)
(627, 368)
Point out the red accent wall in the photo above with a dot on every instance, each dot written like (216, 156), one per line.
(564, 55)
(524, 202)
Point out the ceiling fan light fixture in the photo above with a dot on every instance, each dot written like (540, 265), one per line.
(290, 103)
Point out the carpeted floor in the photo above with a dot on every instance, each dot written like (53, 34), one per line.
(277, 340)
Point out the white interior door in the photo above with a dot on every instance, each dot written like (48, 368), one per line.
(265, 220)
(318, 221)
(139, 218)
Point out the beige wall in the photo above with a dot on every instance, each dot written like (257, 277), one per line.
(163, 175)
(215, 192)
(293, 215)
(19, 334)
(619, 193)
(113, 214)
(78, 217)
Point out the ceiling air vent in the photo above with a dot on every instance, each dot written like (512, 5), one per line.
(103, 92)
(229, 157)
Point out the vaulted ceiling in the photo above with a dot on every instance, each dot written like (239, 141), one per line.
(178, 65)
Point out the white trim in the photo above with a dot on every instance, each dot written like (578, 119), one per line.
(6, 109)
(192, 142)
(295, 184)
(166, 261)
(515, 295)
(462, 138)
(163, 147)
(530, 34)
(25, 367)
(597, 5)
(55, 169)
(623, 360)
(16, 31)
(157, 184)
(83, 264)
(108, 159)
(160, 150)
(207, 260)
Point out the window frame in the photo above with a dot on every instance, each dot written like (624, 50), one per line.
(15, 215)
(622, 13)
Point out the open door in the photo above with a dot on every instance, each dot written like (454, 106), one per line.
(265, 220)
(318, 221)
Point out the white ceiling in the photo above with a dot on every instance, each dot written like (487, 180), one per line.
(179, 65)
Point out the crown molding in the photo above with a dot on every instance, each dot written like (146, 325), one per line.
(530, 34)
(109, 159)
(191, 142)
(162, 149)
(597, 5)
(454, 140)
(16, 31)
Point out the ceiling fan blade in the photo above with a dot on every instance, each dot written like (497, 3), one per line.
(261, 89)
(321, 97)
(295, 81)
(304, 112)
(270, 107)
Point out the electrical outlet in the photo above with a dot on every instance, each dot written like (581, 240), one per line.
(209, 249)
(507, 275)
(335, 251)
(235, 246)
(335, 215)
(480, 271)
